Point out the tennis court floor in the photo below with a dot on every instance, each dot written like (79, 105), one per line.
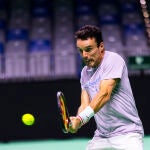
(72, 144)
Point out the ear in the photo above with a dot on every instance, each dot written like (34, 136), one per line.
(101, 45)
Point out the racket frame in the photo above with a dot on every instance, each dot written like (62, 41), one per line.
(64, 116)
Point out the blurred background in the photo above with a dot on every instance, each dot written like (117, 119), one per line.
(38, 57)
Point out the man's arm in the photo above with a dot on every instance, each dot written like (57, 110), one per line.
(85, 101)
(76, 123)
(104, 94)
(101, 98)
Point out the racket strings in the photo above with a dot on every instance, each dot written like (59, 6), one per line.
(64, 115)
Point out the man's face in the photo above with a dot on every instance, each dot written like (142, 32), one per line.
(90, 52)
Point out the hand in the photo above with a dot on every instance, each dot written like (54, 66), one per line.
(76, 124)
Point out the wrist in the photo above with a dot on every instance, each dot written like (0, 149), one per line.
(86, 115)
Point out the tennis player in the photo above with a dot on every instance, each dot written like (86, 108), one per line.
(106, 95)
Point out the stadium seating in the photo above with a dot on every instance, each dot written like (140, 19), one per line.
(37, 36)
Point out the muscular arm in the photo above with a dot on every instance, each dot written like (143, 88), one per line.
(100, 99)
(105, 90)
(104, 94)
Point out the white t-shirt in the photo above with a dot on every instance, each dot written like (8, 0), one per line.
(119, 115)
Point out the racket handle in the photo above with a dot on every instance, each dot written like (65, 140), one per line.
(70, 124)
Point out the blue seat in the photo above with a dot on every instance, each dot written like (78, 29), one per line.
(40, 12)
(129, 7)
(84, 9)
(109, 19)
(39, 45)
(17, 34)
(133, 28)
(108, 13)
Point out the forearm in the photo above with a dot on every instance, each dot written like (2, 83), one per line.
(104, 94)
(99, 101)
(89, 108)
(96, 104)
(85, 101)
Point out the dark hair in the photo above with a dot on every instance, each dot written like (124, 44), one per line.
(89, 31)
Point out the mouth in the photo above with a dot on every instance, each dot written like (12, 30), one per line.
(87, 61)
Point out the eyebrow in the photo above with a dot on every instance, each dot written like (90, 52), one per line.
(89, 46)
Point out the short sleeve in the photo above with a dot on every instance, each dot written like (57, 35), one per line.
(113, 68)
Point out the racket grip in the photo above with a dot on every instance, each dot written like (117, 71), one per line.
(70, 124)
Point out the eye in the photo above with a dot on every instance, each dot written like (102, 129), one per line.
(88, 49)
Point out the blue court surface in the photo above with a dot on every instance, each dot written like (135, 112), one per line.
(50, 144)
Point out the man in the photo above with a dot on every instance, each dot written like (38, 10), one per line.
(106, 95)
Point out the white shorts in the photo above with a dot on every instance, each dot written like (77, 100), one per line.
(131, 141)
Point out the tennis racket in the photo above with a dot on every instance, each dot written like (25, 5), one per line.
(65, 121)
